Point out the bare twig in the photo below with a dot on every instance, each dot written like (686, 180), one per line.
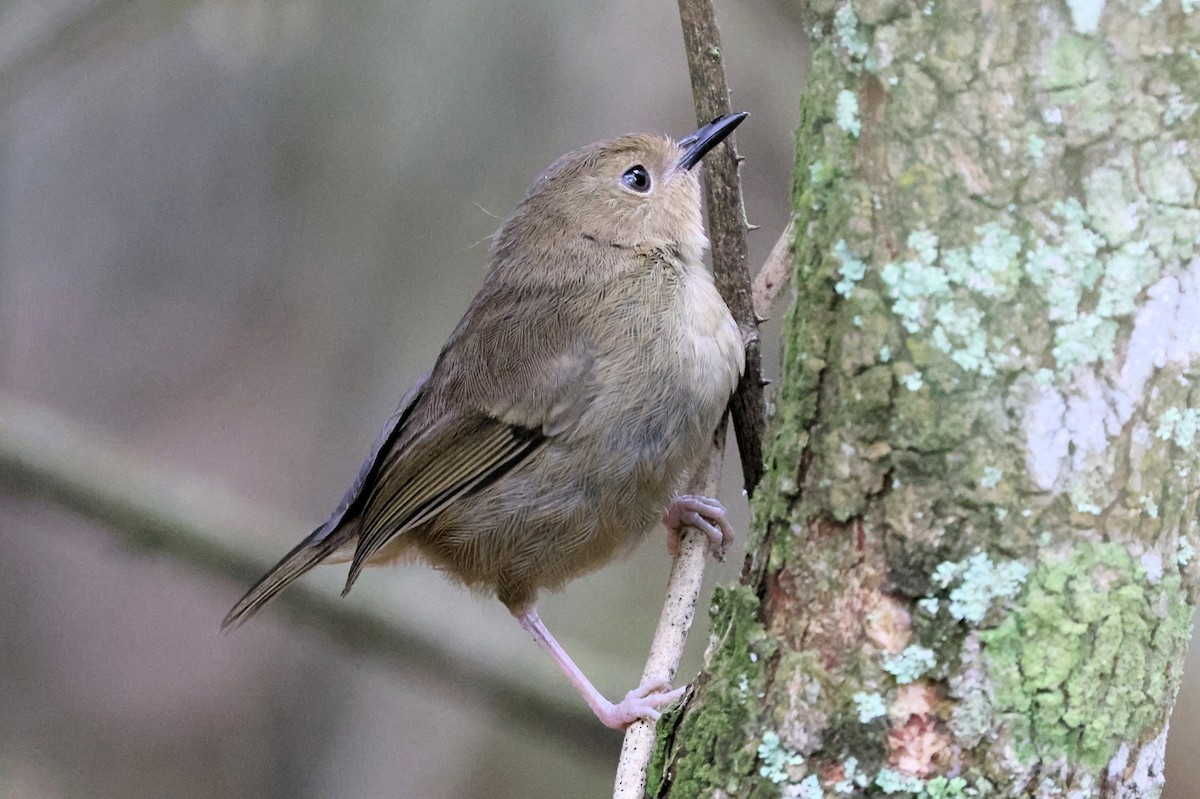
(196, 524)
(727, 231)
(683, 590)
(727, 227)
(775, 272)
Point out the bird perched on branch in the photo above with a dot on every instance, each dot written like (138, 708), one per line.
(566, 410)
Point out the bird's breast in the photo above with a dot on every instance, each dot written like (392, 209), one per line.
(709, 343)
(672, 358)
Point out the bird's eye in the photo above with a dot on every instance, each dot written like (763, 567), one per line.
(636, 178)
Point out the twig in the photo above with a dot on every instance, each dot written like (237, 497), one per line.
(679, 609)
(727, 231)
(148, 509)
(727, 228)
(775, 272)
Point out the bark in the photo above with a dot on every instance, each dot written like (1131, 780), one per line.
(973, 571)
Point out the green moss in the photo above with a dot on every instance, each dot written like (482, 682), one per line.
(1081, 663)
(825, 200)
(729, 702)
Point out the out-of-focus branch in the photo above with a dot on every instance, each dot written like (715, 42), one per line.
(48, 457)
(42, 41)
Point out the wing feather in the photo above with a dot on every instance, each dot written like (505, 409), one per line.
(435, 472)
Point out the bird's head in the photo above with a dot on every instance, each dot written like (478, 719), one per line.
(635, 192)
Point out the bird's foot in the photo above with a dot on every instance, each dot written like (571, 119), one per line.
(642, 702)
(705, 514)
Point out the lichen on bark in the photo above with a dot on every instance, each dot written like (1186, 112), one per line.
(979, 508)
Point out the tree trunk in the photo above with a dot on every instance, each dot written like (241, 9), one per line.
(973, 571)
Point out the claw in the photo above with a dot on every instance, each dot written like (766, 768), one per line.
(642, 702)
(706, 515)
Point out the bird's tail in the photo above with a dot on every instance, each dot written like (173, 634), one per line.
(308, 553)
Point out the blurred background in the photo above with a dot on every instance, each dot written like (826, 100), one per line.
(232, 232)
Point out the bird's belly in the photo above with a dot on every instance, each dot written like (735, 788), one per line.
(545, 523)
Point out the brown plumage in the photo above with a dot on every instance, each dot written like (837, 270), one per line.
(570, 402)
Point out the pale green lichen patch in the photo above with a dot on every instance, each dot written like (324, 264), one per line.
(1075, 61)
(891, 781)
(852, 777)
(1179, 107)
(869, 706)
(1035, 147)
(1112, 202)
(1184, 553)
(991, 477)
(851, 270)
(1179, 426)
(946, 293)
(911, 380)
(808, 788)
(1085, 14)
(947, 788)
(1078, 77)
(975, 585)
(908, 666)
(776, 759)
(850, 37)
(846, 112)
(1086, 654)
(1087, 290)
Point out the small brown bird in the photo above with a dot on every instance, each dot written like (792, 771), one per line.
(568, 406)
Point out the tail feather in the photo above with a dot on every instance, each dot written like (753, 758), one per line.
(308, 553)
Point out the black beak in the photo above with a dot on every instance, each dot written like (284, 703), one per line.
(699, 143)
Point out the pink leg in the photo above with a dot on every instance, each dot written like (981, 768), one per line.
(640, 703)
(706, 515)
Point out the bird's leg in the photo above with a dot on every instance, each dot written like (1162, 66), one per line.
(705, 514)
(642, 702)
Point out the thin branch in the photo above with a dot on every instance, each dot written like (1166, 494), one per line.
(679, 609)
(727, 231)
(775, 272)
(727, 228)
(148, 509)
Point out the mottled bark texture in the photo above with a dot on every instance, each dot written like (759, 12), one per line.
(974, 569)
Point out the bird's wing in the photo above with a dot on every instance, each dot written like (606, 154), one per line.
(484, 411)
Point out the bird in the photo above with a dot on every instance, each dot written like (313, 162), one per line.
(567, 408)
